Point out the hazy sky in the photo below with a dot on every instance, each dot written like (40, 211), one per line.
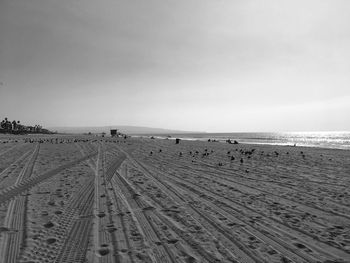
(219, 65)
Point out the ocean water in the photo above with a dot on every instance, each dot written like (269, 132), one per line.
(335, 140)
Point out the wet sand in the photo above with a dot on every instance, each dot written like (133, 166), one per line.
(93, 199)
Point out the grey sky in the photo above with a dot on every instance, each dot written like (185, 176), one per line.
(192, 65)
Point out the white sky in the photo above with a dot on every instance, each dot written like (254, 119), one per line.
(219, 65)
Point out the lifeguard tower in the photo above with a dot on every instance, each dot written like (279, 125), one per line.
(114, 132)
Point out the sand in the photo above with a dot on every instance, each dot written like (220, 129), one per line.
(93, 199)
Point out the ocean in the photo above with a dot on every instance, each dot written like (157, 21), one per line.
(335, 140)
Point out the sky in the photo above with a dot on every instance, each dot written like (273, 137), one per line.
(194, 65)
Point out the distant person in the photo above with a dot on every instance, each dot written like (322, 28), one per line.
(14, 125)
(7, 124)
(19, 126)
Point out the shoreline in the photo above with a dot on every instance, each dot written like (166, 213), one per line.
(346, 148)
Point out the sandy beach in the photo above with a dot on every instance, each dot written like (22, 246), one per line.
(94, 199)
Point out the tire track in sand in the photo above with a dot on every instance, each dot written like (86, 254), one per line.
(119, 238)
(15, 219)
(201, 191)
(74, 225)
(13, 168)
(13, 191)
(219, 173)
(289, 228)
(68, 235)
(240, 251)
(105, 245)
(139, 209)
(211, 177)
(7, 150)
(176, 233)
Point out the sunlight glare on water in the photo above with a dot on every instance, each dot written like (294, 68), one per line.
(336, 140)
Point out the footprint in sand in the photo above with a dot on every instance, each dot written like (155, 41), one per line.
(101, 214)
(49, 224)
(103, 251)
(51, 240)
